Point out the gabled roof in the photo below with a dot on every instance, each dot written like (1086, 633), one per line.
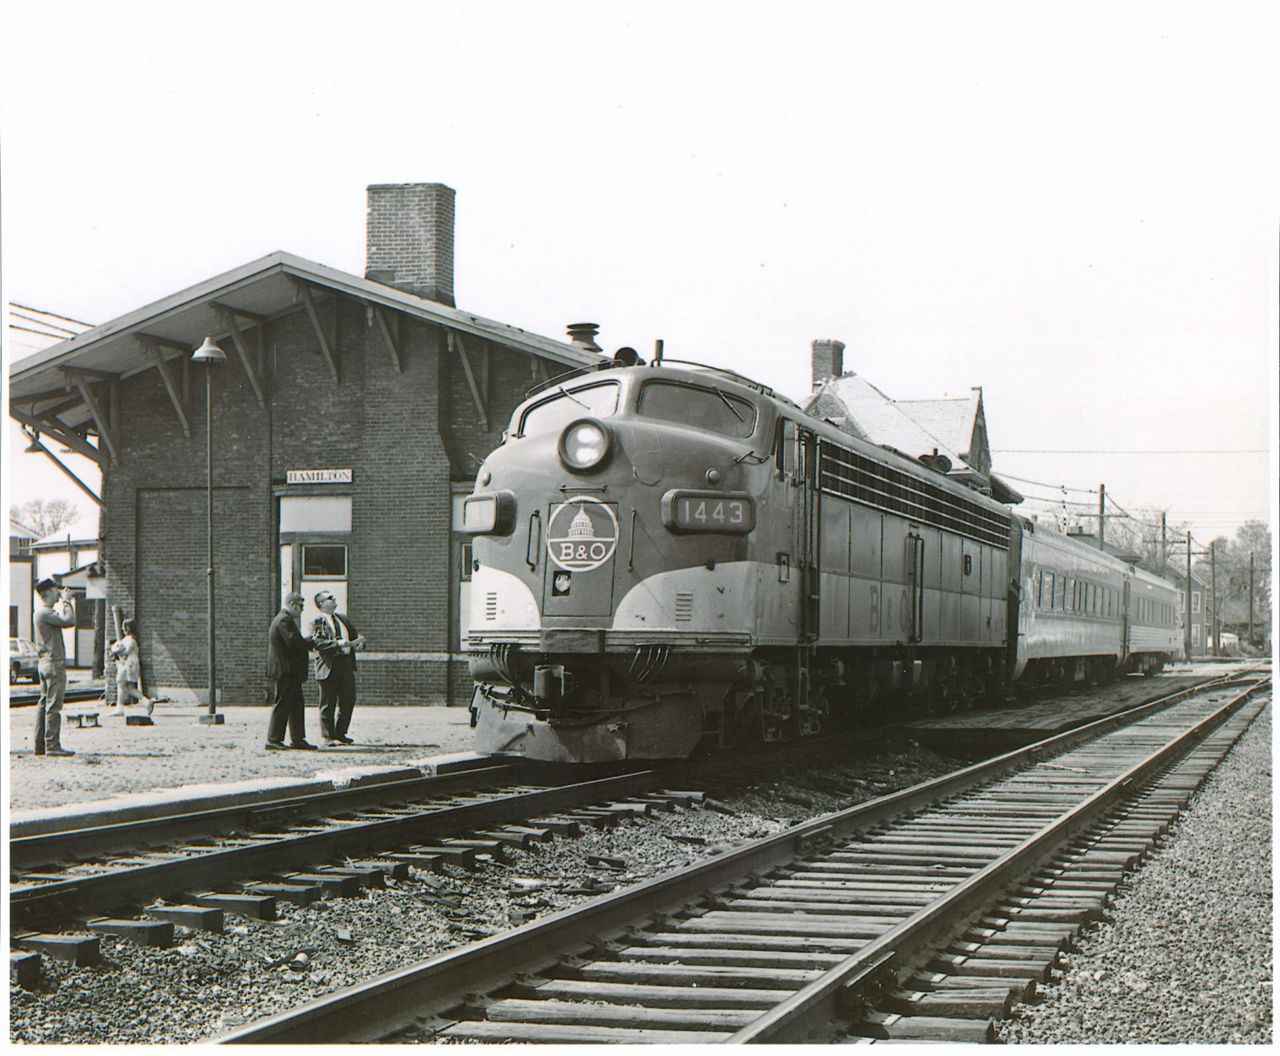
(885, 422)
(944, 427)
(952, 421)
(266, 288)
(83, 531)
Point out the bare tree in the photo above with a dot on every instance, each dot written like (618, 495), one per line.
(44, 516)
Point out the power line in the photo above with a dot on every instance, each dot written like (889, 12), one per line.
(41, 322)
(1100, 451)
(42, 311)
(1042, 484)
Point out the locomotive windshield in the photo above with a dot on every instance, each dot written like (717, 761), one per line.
(557, 411)
(711, 409)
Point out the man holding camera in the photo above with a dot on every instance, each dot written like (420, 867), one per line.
(337, 641)
(52, 614)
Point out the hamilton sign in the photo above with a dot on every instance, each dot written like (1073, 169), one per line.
(317, 476)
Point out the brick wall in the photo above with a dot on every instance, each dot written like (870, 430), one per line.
(383, 424)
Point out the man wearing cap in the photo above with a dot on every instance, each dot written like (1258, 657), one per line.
(287, 653)
(52, 614)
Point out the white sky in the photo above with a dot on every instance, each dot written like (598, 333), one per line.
(1073, 205)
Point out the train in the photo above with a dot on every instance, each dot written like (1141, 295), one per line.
(672, 559)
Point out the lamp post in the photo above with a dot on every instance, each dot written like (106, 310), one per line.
(210, 355)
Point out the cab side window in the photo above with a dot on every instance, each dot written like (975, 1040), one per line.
(784, 449)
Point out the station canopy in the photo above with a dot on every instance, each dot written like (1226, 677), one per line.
(64, 391)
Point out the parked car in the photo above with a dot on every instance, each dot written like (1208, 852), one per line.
(23, 660)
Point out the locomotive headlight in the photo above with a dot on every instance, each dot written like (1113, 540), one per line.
(584, 445)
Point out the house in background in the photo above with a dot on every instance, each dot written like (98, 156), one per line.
(1201, 612)
(948, 435)
(58, 555)
(22, 579)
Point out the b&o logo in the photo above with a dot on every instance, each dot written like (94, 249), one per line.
(582, 534)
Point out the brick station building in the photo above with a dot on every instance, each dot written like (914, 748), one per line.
(348, 421)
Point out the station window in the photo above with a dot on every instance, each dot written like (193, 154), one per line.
(324, 561)
(1195, 601)
(1195, 634)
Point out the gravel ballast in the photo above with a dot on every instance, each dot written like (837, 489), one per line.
(209, 984)
(1185, 956)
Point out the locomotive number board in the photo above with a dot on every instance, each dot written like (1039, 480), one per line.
(708, 511)
(871, 483)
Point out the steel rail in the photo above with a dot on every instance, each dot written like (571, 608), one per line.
(393, 1002)
(44, 847)
(894, 949)
(272, 854)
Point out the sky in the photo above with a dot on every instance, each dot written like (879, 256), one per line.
(1073, 205)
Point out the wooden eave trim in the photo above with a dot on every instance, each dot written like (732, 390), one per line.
(170, 385)
(392, 341)
(326, 349)
(228, 317)
(81, 382)
(60, 431)
(456, 344)
(93, 495)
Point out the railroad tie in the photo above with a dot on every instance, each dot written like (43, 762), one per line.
(143, 932)
(199, 918)
(889, 1026)
(298, 894)
(331, 884)
(394, 870)
(256, 906)
(558, 825)
(24, 969)
(72, 948)
(953, 1004)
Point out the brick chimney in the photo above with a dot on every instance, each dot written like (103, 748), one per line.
(409, 242)
(828, 360)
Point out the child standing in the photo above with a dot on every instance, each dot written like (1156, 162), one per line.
(129, 669)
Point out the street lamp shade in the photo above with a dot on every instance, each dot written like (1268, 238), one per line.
(209, 353)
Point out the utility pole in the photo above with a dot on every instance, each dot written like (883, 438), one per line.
(1213, 593)
(1164, 546)
(1250, 597)
(1102, 515)
(1186, 608)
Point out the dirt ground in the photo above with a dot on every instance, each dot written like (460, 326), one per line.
(114, 758)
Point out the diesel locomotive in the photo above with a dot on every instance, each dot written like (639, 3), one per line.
(672, 559)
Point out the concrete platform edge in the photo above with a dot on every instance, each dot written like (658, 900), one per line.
(166, 802)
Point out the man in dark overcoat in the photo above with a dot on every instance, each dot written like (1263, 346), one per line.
(287, 653)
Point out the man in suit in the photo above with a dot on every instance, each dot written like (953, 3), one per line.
(287, 653)
(337, 642)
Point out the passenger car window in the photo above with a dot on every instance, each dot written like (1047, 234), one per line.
(567, 405)
(710, 409)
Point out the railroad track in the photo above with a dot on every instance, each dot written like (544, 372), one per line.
(919, 916)
(192, 868)
(31, 697)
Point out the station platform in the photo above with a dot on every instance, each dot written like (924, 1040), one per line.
(1017, 724)
(124, 770)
